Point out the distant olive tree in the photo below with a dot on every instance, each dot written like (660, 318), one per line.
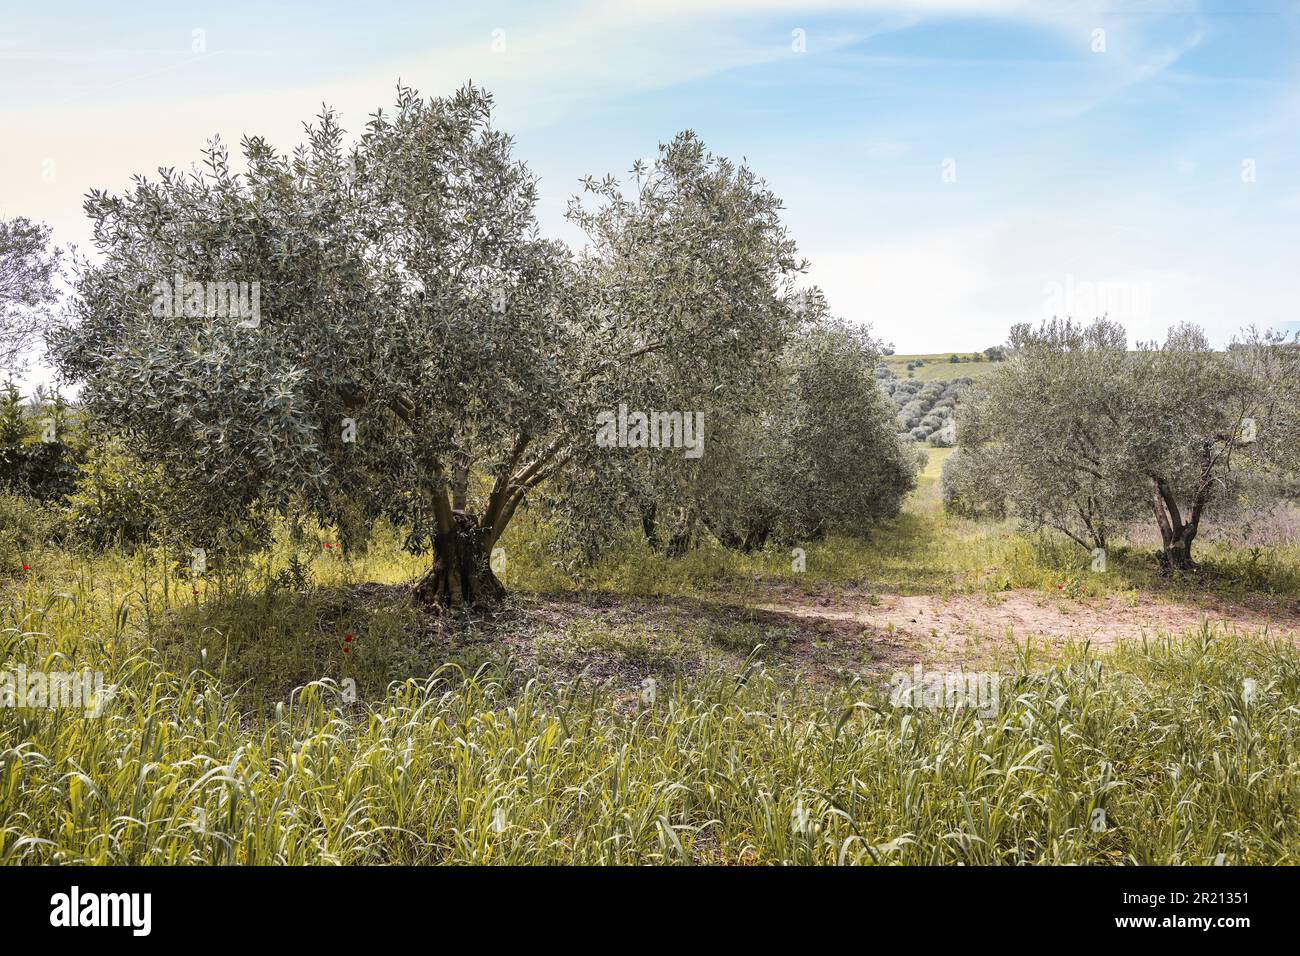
(964, 490)
(821, 455)
(1077, 433)
(29, 268)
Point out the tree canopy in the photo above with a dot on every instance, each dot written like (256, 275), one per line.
(29, 269)
(380, 329)
(1078, 433)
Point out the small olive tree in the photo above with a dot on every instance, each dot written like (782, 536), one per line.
(1047, 434)
(29, 270)
(1077, 433)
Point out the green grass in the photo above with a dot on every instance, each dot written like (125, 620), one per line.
(240, 731)
(725, 768)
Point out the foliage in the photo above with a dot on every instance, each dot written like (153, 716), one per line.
(26, 526)
(925, 410)
(820, 456)
(1079, 434)
(965, 493)
(1047, 432)
(404, 290)
(41, 445)
(118, 500)
(29, 269)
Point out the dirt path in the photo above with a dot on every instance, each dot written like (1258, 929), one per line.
(964, 626)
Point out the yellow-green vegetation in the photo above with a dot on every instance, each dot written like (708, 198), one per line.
(939, 365)
(299, 707)
(1155, 755)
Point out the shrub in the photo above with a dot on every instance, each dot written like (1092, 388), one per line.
(26, 525)
(117, 500)
(41, 445)
(963, 493)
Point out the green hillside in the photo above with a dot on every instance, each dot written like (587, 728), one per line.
(939, 365)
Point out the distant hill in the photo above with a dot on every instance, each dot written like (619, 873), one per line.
(939, 366)
(926, 394)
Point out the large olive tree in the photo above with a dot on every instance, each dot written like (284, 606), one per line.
(418, 350)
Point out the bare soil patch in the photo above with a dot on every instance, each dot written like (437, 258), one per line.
(965, 627)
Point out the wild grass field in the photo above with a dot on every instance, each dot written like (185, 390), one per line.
(302, 707)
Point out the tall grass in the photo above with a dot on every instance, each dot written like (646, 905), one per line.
(1154, 753)
(1186, 766)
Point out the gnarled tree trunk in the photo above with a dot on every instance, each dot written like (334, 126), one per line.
(462, 566)
(1176, 535)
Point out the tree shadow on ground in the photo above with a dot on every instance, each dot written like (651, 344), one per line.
(267, 644)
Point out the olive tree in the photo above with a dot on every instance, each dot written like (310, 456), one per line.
(1196, 414)
(821, 454)
(29, 269)
(694, 239)
(379, 327)
(1047, 435)
(1273, 361)
(1077, 433)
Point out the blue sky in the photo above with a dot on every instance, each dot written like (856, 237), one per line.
(949, 166)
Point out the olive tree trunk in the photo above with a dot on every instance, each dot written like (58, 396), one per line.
(462, 567)
(1176, 534)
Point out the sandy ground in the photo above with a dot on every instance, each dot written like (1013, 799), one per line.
(968, 625)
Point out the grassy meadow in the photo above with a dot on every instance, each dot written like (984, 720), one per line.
(301, 708)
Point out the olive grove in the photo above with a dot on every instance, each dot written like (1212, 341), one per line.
(1077, 433)
(378, 328)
